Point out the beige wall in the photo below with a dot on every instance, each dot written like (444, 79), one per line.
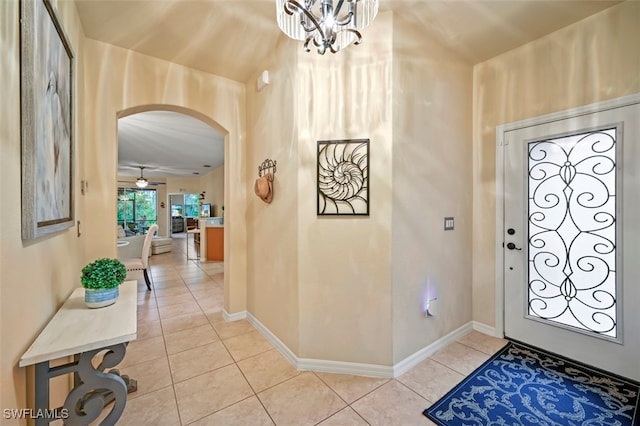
(272, 278)
(593, 60)
(348, 282)
(345, 262)
(213, 185)
(185, 185)
(432, 151)
(120, 82)
(322, 285)
(35, 277)
(114, 81)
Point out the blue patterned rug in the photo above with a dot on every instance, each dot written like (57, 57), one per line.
(524, 386)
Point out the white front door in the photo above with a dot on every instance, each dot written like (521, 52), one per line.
(572, 238)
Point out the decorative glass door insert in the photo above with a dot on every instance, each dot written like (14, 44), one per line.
(569, 235)
(572, 231)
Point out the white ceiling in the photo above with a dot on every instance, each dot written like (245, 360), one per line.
(233, 39)
(167, 144)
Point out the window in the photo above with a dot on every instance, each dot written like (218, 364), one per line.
(192, 205)
(137, 209)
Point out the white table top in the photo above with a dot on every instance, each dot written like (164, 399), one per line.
(193, 231)
(75, 328)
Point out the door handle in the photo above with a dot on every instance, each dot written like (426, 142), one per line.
(512, 246)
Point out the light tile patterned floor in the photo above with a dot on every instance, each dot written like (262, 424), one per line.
(193, 368)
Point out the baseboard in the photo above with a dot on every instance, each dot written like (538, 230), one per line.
(416, 358)
(325, 366)
(280, 346)
(235, 316)
(354, 368)
(485, 329)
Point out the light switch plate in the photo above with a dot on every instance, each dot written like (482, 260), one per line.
(448, 224)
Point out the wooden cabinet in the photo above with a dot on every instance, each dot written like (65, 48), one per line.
(215, 243)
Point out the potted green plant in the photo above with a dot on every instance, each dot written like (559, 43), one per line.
(101, 280)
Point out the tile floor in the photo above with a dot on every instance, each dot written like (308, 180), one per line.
(193, 368)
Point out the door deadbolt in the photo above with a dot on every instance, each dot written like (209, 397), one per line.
(511, 231)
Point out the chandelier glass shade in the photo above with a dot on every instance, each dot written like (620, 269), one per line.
(141, 182)
(327, 25)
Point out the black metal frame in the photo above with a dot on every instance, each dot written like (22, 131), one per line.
(267, 166)
(343, 177)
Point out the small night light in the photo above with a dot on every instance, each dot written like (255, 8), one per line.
(431, 307)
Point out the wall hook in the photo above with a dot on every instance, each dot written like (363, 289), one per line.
(267, 166)
(264, 184)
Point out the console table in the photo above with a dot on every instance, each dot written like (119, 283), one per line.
(83, 333)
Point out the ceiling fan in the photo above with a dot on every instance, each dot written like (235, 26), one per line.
(142, 182)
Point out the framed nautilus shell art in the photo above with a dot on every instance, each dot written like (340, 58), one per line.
(343, 177)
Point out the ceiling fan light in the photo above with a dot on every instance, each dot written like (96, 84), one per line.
(142, 182)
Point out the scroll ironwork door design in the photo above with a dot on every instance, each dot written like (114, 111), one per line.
(572, 230)
(571, 235)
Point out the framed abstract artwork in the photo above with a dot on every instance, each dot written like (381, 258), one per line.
(47, 120)
(343, 177)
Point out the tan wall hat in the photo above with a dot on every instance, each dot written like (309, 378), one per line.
(264, 188)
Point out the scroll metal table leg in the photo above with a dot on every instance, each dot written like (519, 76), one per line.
(94, 388)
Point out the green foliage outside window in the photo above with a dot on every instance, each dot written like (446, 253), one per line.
(137, 206)
(192, 205)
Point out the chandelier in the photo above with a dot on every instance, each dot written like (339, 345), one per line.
(141, 182)
(327, 27)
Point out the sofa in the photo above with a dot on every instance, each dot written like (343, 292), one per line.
(161, 245)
